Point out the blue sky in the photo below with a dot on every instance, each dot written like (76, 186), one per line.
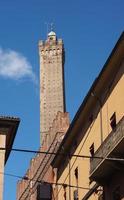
(89, 29)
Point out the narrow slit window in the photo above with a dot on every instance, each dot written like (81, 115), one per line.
(113, 121)
(76, 173)
(75, 193)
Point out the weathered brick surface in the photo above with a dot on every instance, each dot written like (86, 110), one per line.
(51, 53)
(40, 168)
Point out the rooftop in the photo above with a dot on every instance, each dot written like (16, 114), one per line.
(9, 126)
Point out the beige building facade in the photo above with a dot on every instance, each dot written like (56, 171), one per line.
(87, 161)
(8, 129)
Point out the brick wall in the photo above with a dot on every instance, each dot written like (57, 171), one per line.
(40, 168)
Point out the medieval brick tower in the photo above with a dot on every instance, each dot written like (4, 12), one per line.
(52, 98)
(54, 121)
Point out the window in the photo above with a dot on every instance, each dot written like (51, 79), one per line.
(76, 173)
(44, 191)
(113, 121)
(92, 150)
(91, 118)
(64, 187)
(75, 194)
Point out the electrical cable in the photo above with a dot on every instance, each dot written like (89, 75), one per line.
(65, 154)
(42, 182)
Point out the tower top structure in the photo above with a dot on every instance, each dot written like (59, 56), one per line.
(51, 33)
(51, 41)
(52, 36)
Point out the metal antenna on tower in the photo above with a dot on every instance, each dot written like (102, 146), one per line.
(52, 26)
(47, 27)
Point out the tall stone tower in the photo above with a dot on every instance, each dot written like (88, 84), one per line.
(52, 94)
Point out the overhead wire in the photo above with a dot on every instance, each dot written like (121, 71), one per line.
(42, 182)
(64, 154)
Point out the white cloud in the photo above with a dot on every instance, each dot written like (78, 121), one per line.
(15, 66)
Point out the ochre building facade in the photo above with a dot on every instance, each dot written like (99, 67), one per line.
(90, 160)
